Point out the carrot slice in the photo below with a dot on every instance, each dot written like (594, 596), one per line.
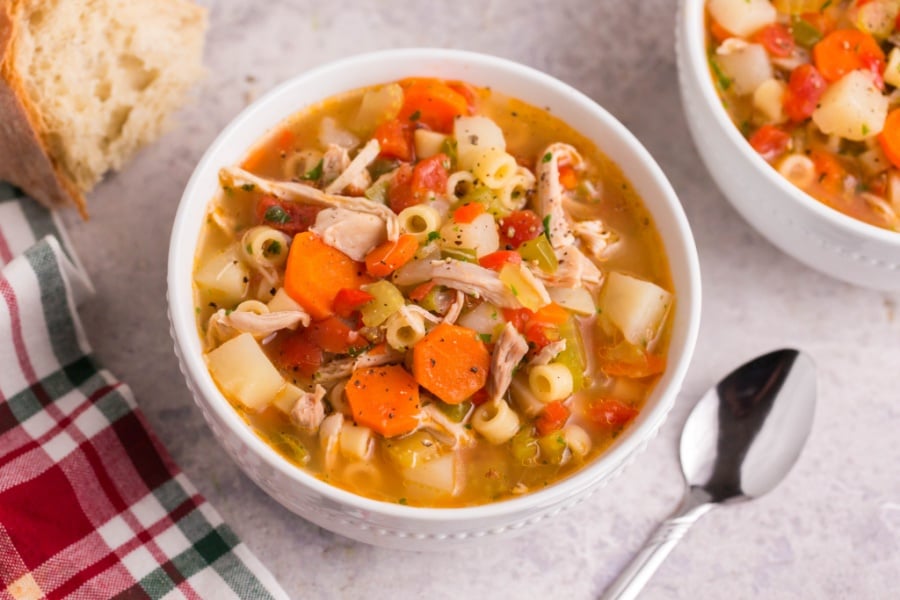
(889, 138)
(316, 272)
(451, 363)
(845, 50)
(385, 399)
(390, 256)
(433, 103)
(468, 212)
(496, 260)
(395, 140)
(567, 177)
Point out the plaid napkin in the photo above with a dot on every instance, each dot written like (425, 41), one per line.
(91, 505)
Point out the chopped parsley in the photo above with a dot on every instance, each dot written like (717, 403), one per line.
(274, 247)
(249, 249)
(248, 187)
(546, 223)
(276, 214)
(865, 129)
(415, 116)
(433, 235)
(402, 501)
(485, 337)
(315, 173)
(721, 79)
(547, 158)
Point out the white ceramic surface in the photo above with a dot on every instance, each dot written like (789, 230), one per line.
(804, 228)
(389, 524)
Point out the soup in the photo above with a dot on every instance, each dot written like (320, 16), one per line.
(432, 294)
(813, 85)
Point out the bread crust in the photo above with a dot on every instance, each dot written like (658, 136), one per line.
(24, 160)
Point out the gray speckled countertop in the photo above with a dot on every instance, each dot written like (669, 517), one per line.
(832, 530)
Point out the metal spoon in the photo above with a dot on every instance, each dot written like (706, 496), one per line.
(738, 443)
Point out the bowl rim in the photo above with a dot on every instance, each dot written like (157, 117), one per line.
(693, 38)
(183, 238)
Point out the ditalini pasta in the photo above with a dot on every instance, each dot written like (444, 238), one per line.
(429, 293)
(813, 86)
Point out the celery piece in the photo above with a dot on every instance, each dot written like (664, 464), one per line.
(573, 356)
(290, 446)
(387, 300)
(455, 412)
(522, 287)
(478, 194)
(380, 166)
(378, 192)
(449, 148)
(805, 33)
(463, 254)
(524, 447)
(553, 448)
(539, 249)
(438, 300)
(412, 450)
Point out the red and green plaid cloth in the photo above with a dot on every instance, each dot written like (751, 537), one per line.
(91, 505)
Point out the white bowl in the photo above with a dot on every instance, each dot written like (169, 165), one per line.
(395, 525)
(792, 220)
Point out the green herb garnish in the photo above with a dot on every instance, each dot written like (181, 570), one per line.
(315, 173)
(276, 214)
(415, 116)
(432, 236)
(547, 157)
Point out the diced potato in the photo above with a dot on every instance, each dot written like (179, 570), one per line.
(874, 161)
(244, 372)
(577, 300)
(635, 306)
(852, 107)
(442, 474)
(377, 106)
(527, 289)
(411, 451)
(428, 143)
(480, 235)
(746, 65)
(743, 17)
(768, 99)
(286, 397)
(474, 134)
(876, 17)
(892, 70)
(485, 319)
(224, 277)
(282, 301)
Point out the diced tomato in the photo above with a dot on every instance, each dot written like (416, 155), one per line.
(875, 66)
(552, 418)
(610, 412)
(770, 141)
(468, 212)
(400, 193)
(540, 334)
(479, 397)
(776, 39)
(805, 87)
(420, 291)
(518, 317)
(518, 227)
(430, 176)
(349, 300)
(288, 217)
(395, 139)
(333, 335)
(298, 353)
(467, 92)
(830, 173)
(496, 260)
(567, 177)
(845, 50)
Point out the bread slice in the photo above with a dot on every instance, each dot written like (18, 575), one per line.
(85, 83)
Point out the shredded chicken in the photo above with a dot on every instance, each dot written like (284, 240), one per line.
(353, 233)
(574, 270)
(223, 325)
(292, 191)
(334, 162)
(432, 419)
(547, 353)
(308, 411)
(344, 367)
(595, 236)
(473, 279)
(452, 313)
(355, 177)
(550, 191)
(511, 348)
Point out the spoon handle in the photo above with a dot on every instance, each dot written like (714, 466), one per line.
(632, 580)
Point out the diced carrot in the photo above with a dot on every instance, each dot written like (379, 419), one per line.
(551, 314)
(611, 412)
(468, 212)
(552, 418)
(433, 103)
(316, 272)
(333, 335)
(845, 50)
(567, 177)
(420, 291)
(719, 33)
(390, 256)
(776, 39)
(451, 362)
(496, 260)
(298, 354)
(830, 173)
(395, 140)
(634, 367)
(385, 399)
(348, 300)
(285, 141)
(889, 138)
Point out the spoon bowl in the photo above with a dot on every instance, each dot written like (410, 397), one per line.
(739, 442)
